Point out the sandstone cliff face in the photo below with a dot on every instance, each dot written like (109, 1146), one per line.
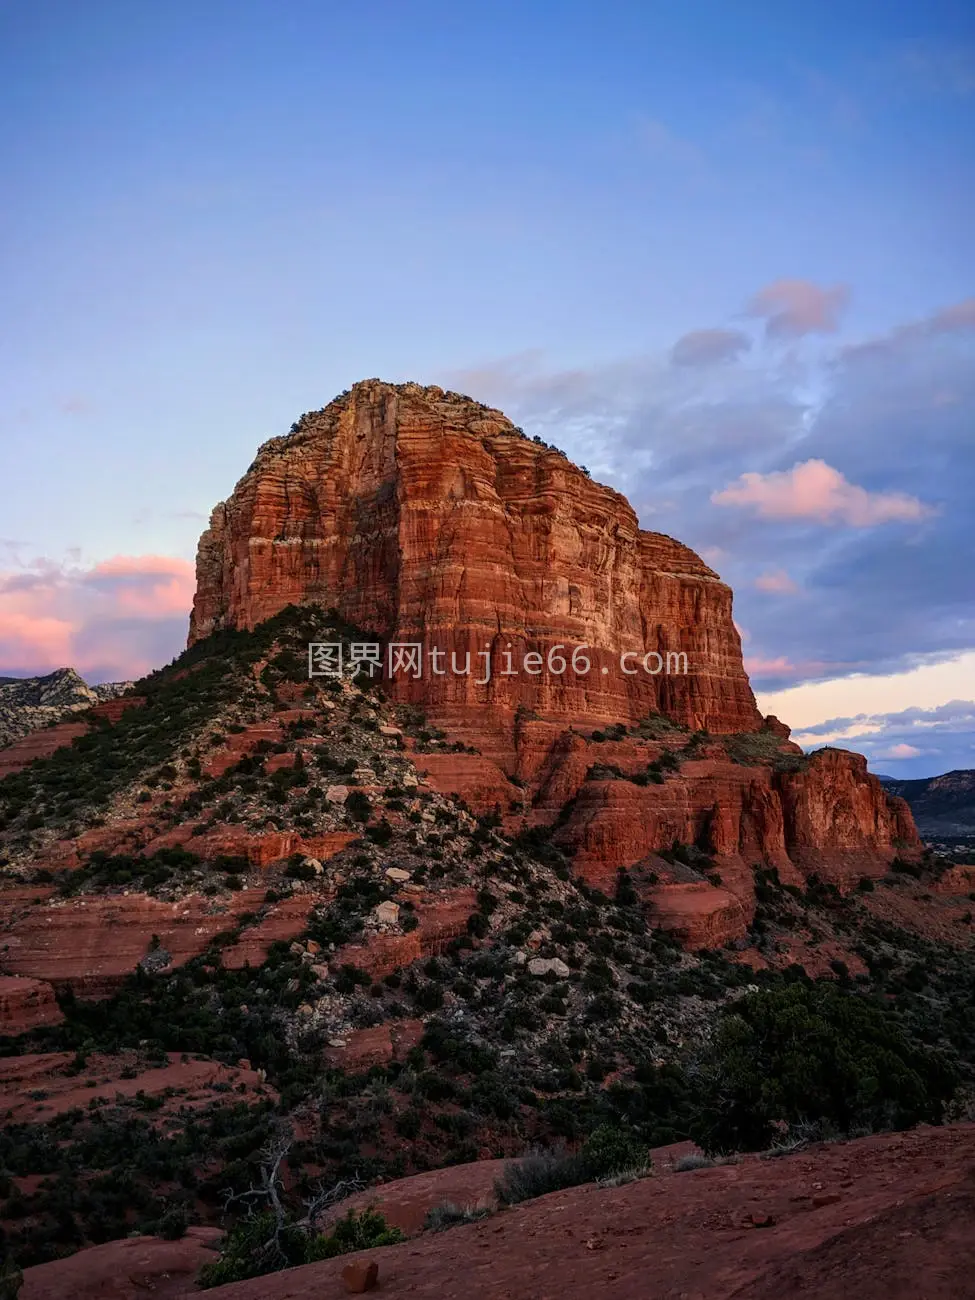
(429, 518)
(830, 818)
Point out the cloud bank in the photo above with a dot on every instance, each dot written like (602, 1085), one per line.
(113, 620)
(830, 483)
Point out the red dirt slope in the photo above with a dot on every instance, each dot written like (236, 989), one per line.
(890, 1217)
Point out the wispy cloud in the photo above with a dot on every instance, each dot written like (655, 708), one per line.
(777, 582)
(659, 141)
(709, 347)
(793, 308)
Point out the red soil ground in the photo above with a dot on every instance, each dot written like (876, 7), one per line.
(890, 1217)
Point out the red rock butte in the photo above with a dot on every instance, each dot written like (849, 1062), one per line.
(429, 518)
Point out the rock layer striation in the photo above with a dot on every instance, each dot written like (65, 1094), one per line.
(429, 518)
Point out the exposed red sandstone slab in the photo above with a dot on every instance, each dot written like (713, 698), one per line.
(426, 517)
(38, 744)
(406, 1202)
(238, 744)
(17, 900)
(195, 1080)
(835, 822)
(442, 917)
(883, 1218)
(478, 780)
(701, 916)
(956, 880)
(129, 1269)
(43, 742)
(93, 942)
(259, 848)
(831, 817)
(112, 710)
(285, 920)
(26, 1004)
(376, 1045)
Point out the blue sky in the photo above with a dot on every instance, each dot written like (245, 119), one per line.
(219, 215)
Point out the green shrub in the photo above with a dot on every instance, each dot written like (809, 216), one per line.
(366, 1230)
(254, 1247)
(173, 1224)
(811, 1053)
(449, 1215)
(610, 1150)
(357, 805)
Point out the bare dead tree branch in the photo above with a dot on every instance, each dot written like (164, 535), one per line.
(267, 1195)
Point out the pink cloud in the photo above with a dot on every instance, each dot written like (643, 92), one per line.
(792, 308)
(27, 636)
(147, 585)
(118, 619)
(957, 318)
(815, 490)
(900, 751)
(778, 582)
(780, 667)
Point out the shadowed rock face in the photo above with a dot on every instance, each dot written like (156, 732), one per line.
(430, 518)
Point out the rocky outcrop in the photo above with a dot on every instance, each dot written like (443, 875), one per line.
(699, 915)
(27, 703)
(126, 1270)
(442, 917)
(429, 518)
(837, 817)
(26, 1004)
(830, 816)
(36, 1086)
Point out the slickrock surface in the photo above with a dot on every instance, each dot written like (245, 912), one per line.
(91, 943)
(887, 1217)
(26, 1004)
(193, 1083)
(428, 517)
(38, 744)
(124, 1270)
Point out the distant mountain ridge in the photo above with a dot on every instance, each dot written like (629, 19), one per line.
(942, 805)
(27, 703)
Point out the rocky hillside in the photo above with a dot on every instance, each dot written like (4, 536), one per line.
(943, 806)
(246, 910)
(267, 930)
(28, 703)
